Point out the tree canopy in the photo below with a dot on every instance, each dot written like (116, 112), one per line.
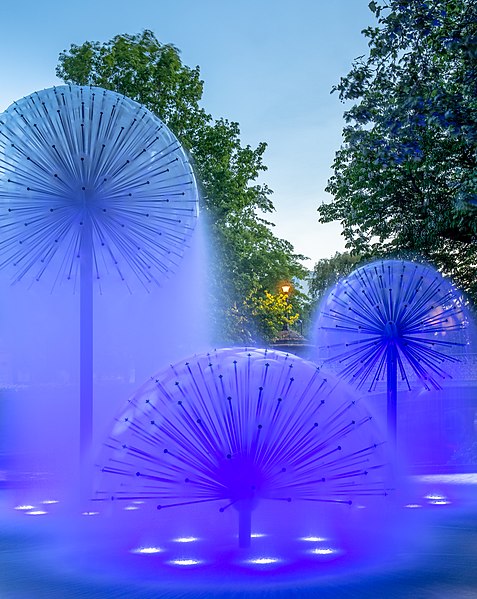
(328, 271)
(247, 257)
(405, 178)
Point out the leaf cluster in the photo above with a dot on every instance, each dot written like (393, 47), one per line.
(271, 312)
(405, 178)
(329, 271)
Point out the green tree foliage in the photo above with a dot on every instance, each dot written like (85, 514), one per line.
(405, 178)
(328, 271)
(271, 312)
(246, 254)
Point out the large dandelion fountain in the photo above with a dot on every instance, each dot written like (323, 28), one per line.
(236, 428)
(93, 187)
(394, 322)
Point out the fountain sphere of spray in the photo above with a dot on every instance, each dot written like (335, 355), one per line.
(394, 321)
(241, 428)
(392, 304)
(89, 177)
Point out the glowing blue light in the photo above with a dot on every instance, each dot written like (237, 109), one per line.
(313, 539)
(146, 550)
(36, 513)
(323, 551)
(263, 561)
(439, 502)
(186, 562)
(24, 507)
(185, 540)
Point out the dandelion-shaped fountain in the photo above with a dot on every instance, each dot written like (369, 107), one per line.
(92, 185)
(238, 427)
(394, 321)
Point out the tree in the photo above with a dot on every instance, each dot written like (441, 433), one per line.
(405, 178)
(328, 271)
(246, 254)
(271, 312)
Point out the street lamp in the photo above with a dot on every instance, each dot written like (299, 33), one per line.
(285, 288)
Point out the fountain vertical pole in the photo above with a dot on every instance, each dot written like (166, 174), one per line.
(86, 345)
(391, 408)
(245, 526)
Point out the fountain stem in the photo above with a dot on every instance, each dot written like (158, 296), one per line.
(245, 527)
(86, 341)
(392, 375)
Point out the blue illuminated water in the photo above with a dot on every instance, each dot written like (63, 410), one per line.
(439, 562)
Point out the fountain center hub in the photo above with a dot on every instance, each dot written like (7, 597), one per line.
(243, 481)
(391, 330)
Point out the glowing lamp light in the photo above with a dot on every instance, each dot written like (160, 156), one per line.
(313, 539)
(286, 288)
(185, 539)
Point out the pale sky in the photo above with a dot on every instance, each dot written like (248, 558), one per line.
(268, 64)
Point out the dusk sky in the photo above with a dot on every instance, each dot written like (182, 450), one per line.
(268, 64)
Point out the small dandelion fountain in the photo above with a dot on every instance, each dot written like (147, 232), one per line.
(394, 321)
(92, 186)
(237, 428)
